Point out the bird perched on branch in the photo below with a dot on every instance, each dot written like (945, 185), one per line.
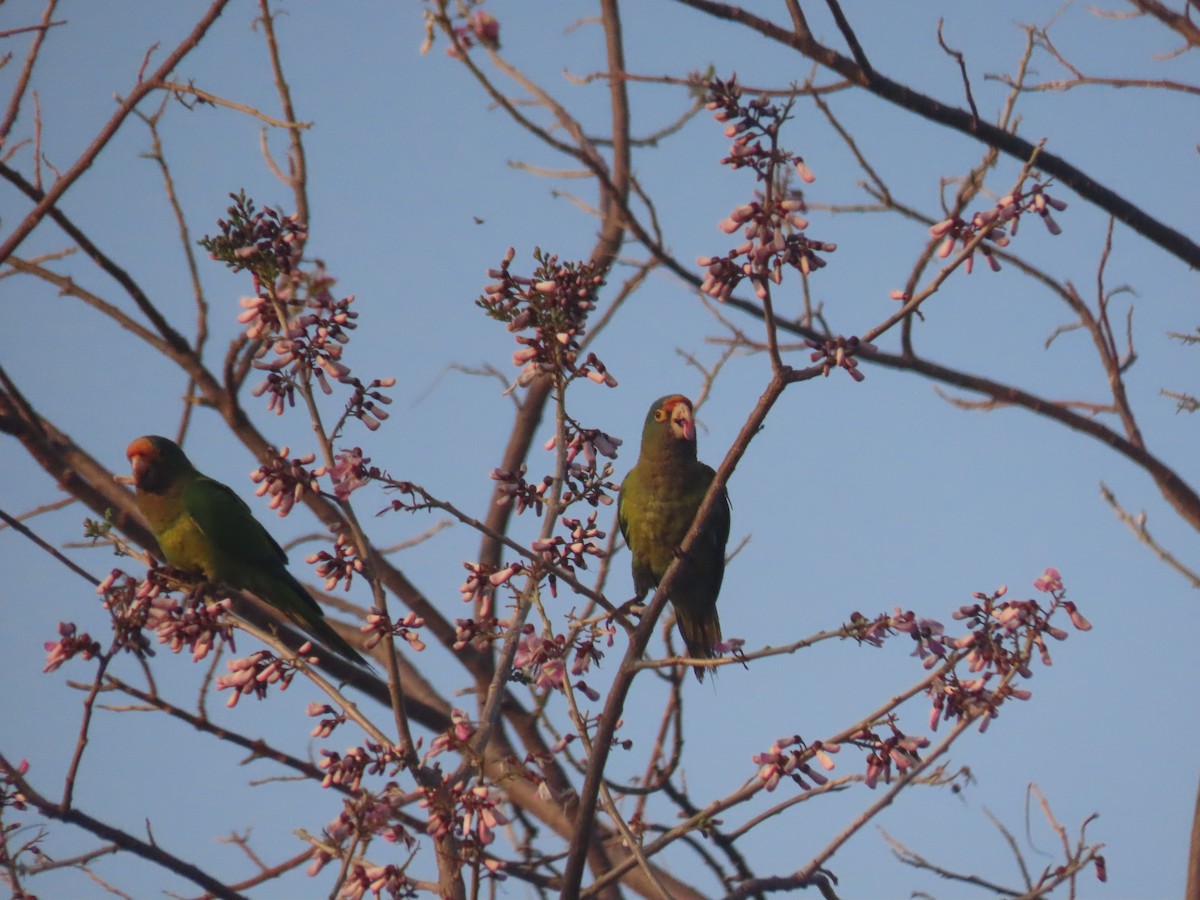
(203, 527)
(655, 508)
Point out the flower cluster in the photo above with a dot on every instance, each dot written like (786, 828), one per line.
(840, 353)
(68, 646)
(378, 624)
(376, 881)
(141, 605)
(539, 661)
(481, 27)
(998, 224)
(896, 751)
(264, 242)
(340, 565)
(1001, 634)
(332, 720)
(584, 480)
(468, 813)
(253, 674)
(542, 661)
(997, 647)
(347, 770)
(779, 761)
(773, 225)
(285, 480)
(365, 400)
(572, 551)
(308, 343)
(511, 487)
(453, 739)
(194, 626)
(365, 813)
(548, 311)
(482, 581)
(134, 605)
(10, 794)
(479, 632)
(749, 124)
(350, 472)
(293, 313)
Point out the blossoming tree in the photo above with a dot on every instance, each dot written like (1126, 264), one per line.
(497, 741)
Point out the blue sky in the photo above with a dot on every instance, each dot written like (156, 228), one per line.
(855, 496)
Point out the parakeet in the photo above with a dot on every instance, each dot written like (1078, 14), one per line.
(655, 508)
(202, 526)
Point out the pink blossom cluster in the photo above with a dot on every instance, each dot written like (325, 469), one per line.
(584, 480)
(146, 604)
(999, 224)
(541, 661)
(513, 488)
(481, 27)
(773, 226)
(194, 627)
(134, 605)
(407, 629)
(69, 645)
(338, 566)
(995, 650)
(467, 812)
(308, 344)
(285, 480)
(548, 311)
(365, 812)
(482, 581)
(255, 673)
(479, 632)
(264, 242)
(365, 400)
(572, 551)
(774, 239)
(779, 762)
(840, 353)
(293, 312)
(377, 881)
(332, 719)
(350, 472)
(347, 770)
(749, 124)
(10, 795)
(897, 751)
(454, 739)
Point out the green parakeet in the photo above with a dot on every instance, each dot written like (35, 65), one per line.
(655, 508)
(202, 526)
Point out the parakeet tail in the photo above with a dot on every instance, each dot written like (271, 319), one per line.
(699, 632)
(324, 632)
(303, 610)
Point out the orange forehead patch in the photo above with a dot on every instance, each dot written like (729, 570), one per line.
(143, 446)
(677, 400)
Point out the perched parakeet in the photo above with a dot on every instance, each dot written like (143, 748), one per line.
(655, 508)
(202, 526)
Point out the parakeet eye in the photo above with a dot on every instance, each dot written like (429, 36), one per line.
(660, 415)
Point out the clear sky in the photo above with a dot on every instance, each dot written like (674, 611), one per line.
(855, 496)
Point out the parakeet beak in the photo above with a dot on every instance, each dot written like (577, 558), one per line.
(139, 454)
(140, 465)
(684, 424)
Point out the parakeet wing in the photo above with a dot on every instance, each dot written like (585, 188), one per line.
(240, 544)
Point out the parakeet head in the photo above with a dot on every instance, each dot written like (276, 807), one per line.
(670, 423)
(157, 463)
